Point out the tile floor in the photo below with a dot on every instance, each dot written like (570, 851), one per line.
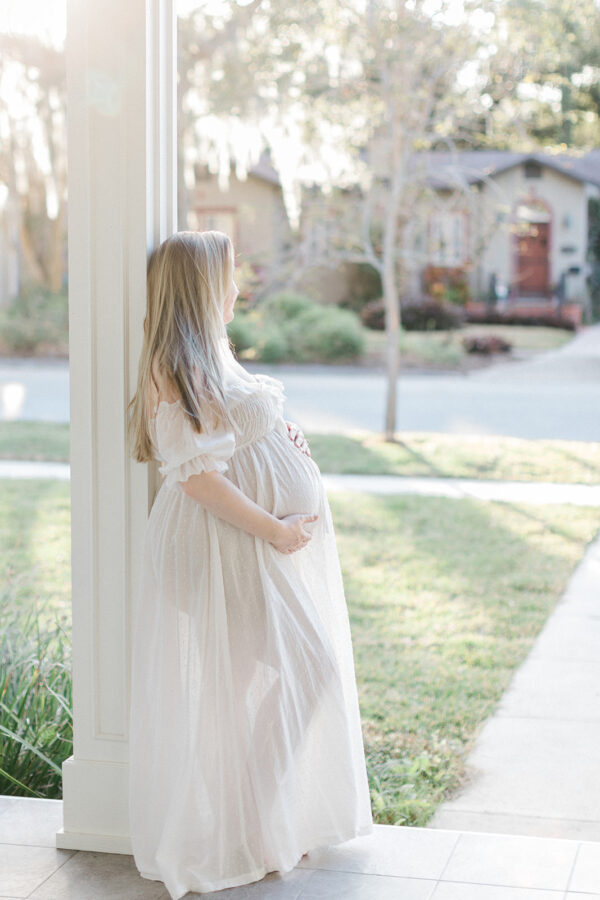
(391, 864)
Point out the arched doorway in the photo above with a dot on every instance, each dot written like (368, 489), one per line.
(531, 249)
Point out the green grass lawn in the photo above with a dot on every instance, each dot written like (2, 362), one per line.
(458, 456)
(524, 337)
(35, 539)
(445, 598)
(414, 453)
(47, 441)
(444, 350)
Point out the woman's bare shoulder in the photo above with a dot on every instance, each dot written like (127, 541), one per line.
(159, 388)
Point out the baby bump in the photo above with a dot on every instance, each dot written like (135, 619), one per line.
(278, 476)
(297, 485)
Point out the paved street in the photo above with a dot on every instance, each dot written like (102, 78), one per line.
(555, 395)
(34, 389)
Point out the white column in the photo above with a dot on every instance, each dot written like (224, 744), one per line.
(121, 64)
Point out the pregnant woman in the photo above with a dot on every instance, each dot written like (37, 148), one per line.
(245, 744)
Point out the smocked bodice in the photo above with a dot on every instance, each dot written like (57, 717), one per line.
(255, 405)
(256, 408)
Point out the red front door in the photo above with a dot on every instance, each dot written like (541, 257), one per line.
(532, 259)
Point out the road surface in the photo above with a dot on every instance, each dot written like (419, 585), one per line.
(555, 395)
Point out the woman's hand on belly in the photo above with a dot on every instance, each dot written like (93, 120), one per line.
(292, 534)
(296, 435)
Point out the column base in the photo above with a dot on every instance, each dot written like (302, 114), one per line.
(95, 806)
(100, 843)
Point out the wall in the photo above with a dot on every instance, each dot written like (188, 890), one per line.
(261, 221)
(565, 197)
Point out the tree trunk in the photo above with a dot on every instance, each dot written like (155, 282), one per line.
(391, 297)
(392, 355)
(33, 271)
(55, 265)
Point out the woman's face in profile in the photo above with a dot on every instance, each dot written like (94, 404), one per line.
(229, 302)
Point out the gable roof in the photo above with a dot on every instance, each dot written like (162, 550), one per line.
(264, 170)
(448, 168)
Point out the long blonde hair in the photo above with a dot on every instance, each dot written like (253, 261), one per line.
(188, 278)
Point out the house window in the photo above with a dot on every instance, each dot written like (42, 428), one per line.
(533, 169)
(447, 239)
(213, 220)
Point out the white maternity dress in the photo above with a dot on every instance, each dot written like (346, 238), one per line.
(245, 745)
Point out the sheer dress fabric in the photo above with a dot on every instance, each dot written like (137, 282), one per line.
(245, 744)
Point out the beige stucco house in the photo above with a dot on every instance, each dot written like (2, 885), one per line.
(532, 214)
(251, 211)
(516, 220)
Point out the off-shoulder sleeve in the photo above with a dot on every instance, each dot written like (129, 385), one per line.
(183, 451)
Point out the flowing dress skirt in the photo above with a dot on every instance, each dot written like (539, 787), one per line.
(245, 742)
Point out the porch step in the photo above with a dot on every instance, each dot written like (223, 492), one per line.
(393, 863)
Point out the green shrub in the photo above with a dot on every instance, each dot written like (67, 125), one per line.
(272, 346)
(430, 315)
(242, 331)
(363, 285)
(373, 315)
(486, 344)
(290, 327)
(35, 317)
(325, 334)
(425, 314)
(20, 334)
(284, 306)
(36, 721)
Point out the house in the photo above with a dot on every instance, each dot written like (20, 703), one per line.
(251, 211)
(534, 253)
(509, 228)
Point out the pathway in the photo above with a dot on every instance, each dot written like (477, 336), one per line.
(538, 492)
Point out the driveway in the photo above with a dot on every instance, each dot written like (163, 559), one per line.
(554, 395)
(576, 362)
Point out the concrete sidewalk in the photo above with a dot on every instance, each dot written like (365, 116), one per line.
(23, 468)
(535, 765)
(538, 492)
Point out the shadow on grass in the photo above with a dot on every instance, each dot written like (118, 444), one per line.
(592, 467)
(446, 598)
(440, 455)
(347, 456)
